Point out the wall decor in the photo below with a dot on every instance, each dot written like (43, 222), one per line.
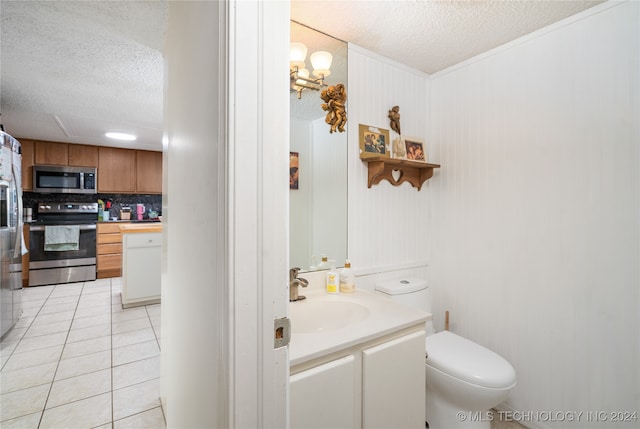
(294, 170)
(415, 150)
(394, 119)
(373, 141)
(335, 98)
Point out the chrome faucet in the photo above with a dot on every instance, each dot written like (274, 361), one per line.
(294, 282)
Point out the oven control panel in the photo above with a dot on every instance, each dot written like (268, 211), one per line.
(67, 207)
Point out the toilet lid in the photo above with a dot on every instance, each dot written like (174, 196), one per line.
(468, 361)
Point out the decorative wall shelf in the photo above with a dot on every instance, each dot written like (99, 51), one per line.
(414, 172)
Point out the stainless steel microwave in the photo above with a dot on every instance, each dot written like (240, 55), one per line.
(64, 179)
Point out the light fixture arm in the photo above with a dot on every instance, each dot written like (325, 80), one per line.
(299, 82)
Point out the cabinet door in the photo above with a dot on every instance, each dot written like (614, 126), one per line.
(28, 153)
(116, 170)
(148, 172)
(324, 396)
(393, 395)
(51, 153)
(81, 155)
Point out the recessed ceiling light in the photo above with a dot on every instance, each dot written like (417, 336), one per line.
(121, 136)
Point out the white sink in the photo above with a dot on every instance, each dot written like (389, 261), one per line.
(317, 315)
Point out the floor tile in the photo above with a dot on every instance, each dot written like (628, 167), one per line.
(153, 310)
(98, 310)
(23, 402)
(133, 337)
(33, 358)
(7, 347)
(30, 312)
(30, 421)
(33, 303)
(136, 399)
(86, 413)
(84, 364)
(53, 317)
(136, 372)
(72, 299)
(85, 322)
(134, 352)
(41, 342)
(82, 334)
(15, 334)
(148, 419)
(27, 377)
(130, 325)
(24, 322)
(47, 328)
(56, 308)
(129, 314)
(68, 289)
(79, 387)
(86, 347)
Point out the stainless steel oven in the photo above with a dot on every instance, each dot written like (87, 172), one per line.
(62, 243)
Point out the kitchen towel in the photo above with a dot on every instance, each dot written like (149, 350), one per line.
(61, 238)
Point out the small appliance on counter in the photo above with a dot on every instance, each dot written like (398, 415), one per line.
(125, 213)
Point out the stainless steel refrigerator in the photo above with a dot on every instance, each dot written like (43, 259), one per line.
(11, 242)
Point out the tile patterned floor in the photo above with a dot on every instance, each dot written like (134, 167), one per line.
(76, 359)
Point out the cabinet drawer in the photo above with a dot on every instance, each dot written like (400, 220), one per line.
(106, 228)
(109, 262)
(143, 240)
(108, 249)
(109, 238)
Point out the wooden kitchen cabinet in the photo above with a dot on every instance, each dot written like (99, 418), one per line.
(81, 155)
(51, 153)
(109, 250)
(116, 170)
(148, 172)
(28, 159)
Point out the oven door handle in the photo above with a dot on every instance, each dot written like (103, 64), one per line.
(42, 227)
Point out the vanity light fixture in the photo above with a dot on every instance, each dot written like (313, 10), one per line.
(298, 73)
(120, 136)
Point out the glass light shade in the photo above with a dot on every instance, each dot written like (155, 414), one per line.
(297, 55)
(302, 73)
(120, 136)
(321, 62)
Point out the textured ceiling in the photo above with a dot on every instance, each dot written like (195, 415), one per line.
(72, 70)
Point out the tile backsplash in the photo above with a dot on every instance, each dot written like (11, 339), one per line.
(151, 202)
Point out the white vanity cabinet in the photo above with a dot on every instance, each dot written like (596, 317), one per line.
(141, 266)
(376, 384)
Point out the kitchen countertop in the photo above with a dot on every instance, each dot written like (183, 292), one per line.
(127, 228)
(386, 317)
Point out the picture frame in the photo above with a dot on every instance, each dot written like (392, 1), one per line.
(294, 170)
(415, 150)
(374, 141)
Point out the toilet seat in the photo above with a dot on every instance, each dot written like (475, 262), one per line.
(468, 361)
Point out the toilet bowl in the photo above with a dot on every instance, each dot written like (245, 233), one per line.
(463, 379)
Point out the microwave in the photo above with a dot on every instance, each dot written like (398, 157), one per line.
(64, 179)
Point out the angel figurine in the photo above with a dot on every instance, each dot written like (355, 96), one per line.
(394, 116)
(334, 99)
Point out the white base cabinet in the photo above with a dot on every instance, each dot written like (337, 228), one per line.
(377, 384)
(141, 266)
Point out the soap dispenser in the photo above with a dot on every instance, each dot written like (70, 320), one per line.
(324, 263)
(347, 278)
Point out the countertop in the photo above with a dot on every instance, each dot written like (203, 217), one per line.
(386, 317)
(128, 228)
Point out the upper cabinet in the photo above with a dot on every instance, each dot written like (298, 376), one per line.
(148, 172)
(81, 155)
(120, 171)
(116, 170)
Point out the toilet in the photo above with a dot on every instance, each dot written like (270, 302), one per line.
(464, 380)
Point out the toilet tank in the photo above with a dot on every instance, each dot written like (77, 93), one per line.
(412, 292)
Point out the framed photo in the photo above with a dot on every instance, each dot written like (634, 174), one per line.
(373, 141)
(415, 150)
(294, 170)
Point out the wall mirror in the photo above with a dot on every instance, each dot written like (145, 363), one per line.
(318, 194)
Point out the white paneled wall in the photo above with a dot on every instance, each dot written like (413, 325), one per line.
(387, 224)
(535, 215)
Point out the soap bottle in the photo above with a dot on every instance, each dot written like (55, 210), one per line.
(333, 282)
(324, 264)
(347, 278)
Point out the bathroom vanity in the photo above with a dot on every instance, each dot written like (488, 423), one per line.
(357, 361)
